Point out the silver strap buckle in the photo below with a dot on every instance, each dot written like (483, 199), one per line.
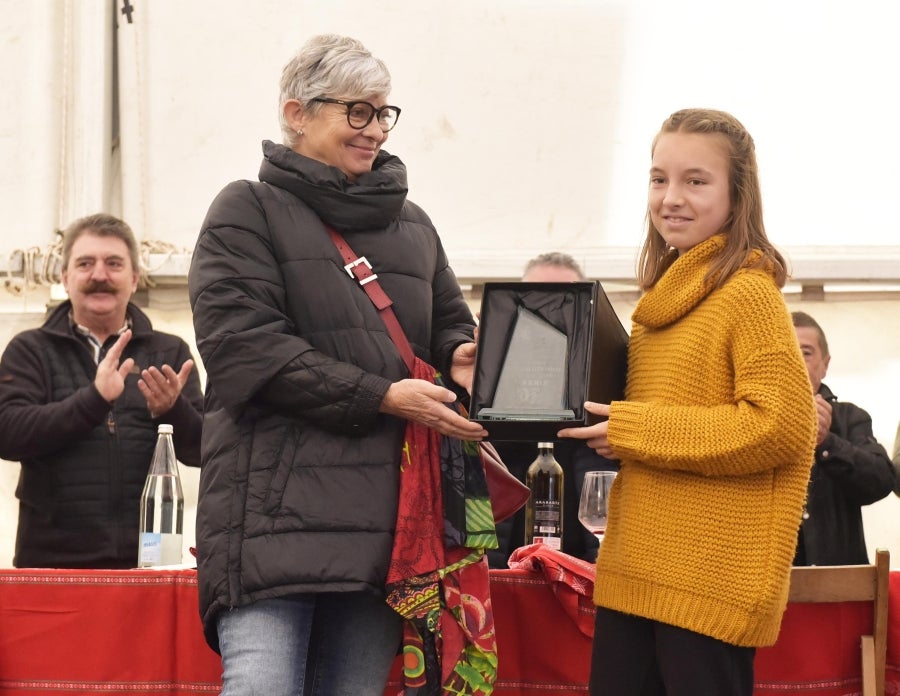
(361, 260)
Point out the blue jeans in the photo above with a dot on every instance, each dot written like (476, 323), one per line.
(339, 644)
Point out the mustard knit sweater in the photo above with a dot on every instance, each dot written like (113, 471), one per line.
(716, 440)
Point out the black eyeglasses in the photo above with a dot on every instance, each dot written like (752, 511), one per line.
(361, 113)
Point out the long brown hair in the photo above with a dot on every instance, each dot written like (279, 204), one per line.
(744, 227)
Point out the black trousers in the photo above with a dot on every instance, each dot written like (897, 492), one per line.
(633, 656)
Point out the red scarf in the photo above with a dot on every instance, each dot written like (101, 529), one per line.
(438, 577)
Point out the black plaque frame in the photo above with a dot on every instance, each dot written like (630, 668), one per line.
(596, 360)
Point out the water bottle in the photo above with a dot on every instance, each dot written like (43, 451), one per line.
(162, 507)
(544, 509)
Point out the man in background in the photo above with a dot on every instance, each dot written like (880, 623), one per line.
(850, 470)
(80, 401)
(574, 457)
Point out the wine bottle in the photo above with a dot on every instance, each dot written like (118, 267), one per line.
(544, 509)
(162, 507)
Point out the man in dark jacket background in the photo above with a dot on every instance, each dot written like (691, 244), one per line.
(850, 470)
(80, 401)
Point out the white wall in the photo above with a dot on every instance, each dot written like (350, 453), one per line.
(526, 124)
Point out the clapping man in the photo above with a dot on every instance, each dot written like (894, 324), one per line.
(80, 401)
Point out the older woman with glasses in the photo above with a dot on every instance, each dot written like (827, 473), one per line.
(308, 396)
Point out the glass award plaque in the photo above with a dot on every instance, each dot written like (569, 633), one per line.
(543, 350)
(533, 376)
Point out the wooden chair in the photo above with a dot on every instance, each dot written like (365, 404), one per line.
(853, 583)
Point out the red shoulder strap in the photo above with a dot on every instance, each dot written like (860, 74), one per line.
(358, 267)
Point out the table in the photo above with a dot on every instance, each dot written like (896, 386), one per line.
(138, 631)
(94, 631)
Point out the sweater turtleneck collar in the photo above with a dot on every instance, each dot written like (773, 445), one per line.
(684, 284)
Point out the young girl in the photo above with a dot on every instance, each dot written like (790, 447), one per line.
(715, 435)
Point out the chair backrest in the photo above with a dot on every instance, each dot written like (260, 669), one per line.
(853, 583)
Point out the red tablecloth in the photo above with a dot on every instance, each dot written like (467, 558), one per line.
(88, 632)
(103, 631)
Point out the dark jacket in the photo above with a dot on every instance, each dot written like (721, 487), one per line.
(84, 460)
(298, 490)
(851, 470)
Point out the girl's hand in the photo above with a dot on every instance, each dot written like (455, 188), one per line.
(595, 436)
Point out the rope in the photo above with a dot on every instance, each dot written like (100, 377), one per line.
(43, 267)
(155, 247)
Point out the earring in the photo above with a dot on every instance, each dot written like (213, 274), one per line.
(299, 131)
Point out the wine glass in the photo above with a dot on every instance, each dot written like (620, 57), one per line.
(592, 508)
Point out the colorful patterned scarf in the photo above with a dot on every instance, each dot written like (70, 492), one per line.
(438, 578)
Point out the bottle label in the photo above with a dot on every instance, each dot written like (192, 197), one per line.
(554, 542)
(159, 549)
(151, 550)
(547, 523)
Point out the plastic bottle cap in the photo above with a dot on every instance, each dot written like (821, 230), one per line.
(545, 444)
(164, 428)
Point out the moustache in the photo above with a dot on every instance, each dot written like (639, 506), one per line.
(98, 286)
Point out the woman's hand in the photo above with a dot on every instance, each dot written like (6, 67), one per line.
(462, 366)
(426, 403)
(595, 436)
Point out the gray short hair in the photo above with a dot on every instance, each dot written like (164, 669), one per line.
(329, 65)
(554, 258)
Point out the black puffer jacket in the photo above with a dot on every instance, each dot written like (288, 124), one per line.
(84, 461)
(298, 491)
(851, 470)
